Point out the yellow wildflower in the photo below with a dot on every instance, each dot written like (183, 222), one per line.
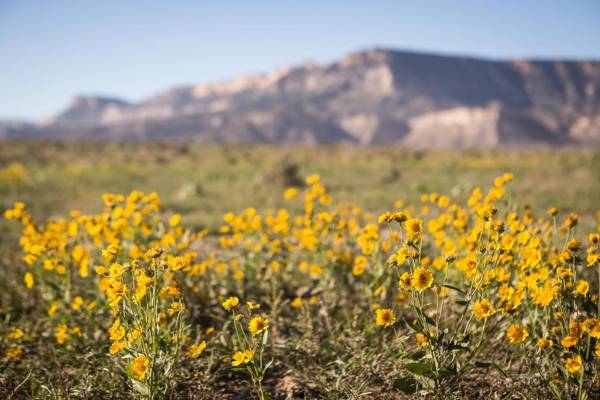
(421, 339)
(175, 220)
(110, 252)
(573, 364)
(421, 279)
(139, 367)
(296, 303)
(116, 331)
(169, 291)
(231, 302)
(414, 228)
(52, 309)
(582, 287)
(257, 325)
(290, 193)
(405, 280)
(242, 357)
(252, 305)
(196, 349)
(385, 317)
(29, 281)
(16, 334)
(61, 333)
(77, 303)
(569, 341)
(483, 309)
(517, 333)
(116, 347)
(313, 179)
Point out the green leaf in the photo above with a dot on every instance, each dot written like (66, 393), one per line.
(440, 339)
(419, 368)
(448, 371)
(489, 364)
(462, 302)
(140, 387)
(408, 324)
(455, 288)
(429, 320)
(555, 390)
(406, 384)
(483, 364)
(497, 367)
(417, 355)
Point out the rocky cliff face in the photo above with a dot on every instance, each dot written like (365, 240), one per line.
(370, 97)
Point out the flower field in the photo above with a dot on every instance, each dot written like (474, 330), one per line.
(469, 293)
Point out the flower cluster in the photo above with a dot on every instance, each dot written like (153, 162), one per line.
(470, 281)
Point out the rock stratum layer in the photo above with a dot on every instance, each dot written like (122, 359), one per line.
(375, 96)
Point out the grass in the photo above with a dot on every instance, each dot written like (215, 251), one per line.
(204, 181)
(332, 350)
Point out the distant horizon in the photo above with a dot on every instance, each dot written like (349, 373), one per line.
(61, 49)
(117, 97)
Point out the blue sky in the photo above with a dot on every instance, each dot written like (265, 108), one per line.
(52, 50)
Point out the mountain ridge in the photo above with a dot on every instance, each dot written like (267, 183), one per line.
(374, 96)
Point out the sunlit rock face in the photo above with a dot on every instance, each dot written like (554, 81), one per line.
(375, 96)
